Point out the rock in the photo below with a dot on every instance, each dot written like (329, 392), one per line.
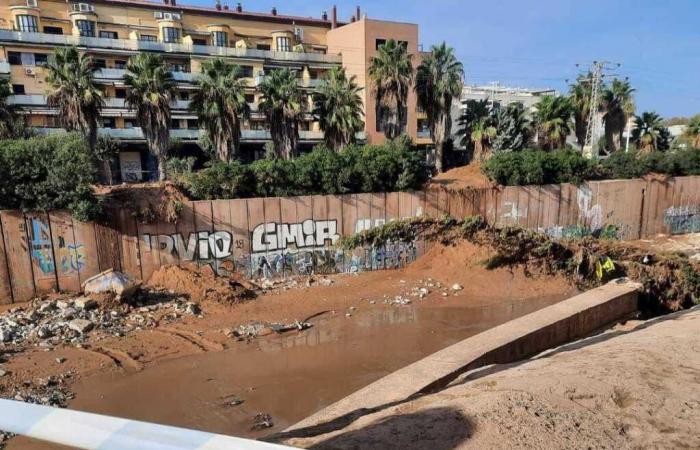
(3, 372)
(262, 421)
(63, 304)
(325, 282)
(457, 287)
(85, 303)
(6, 334)
(44, 332)
(82, 326)
(193, 308)
(60, 360)
(111, 281)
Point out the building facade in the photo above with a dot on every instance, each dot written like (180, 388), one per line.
(111, 31)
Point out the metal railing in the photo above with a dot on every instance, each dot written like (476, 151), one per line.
(136, 45)
(136, 134)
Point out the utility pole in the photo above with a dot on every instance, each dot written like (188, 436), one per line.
(598, 71)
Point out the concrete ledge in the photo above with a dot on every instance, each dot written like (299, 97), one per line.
(528, 335)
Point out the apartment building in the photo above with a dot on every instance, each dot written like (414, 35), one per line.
(110, 31)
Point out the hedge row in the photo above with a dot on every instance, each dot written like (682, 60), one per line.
(535, 167)
(395, 166)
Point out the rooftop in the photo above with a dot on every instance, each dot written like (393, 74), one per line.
(229, 13)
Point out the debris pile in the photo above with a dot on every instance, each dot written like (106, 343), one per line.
(70, 320)
(49, 391)
(262, 421)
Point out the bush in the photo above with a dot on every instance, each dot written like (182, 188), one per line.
(395, 166)
(220, 180)
(49, 172)
(539, 167)
(569, 166)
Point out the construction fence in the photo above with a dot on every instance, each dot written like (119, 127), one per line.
(276, 237)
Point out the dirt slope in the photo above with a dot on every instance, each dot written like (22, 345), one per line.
(635, 386)
(469, 176)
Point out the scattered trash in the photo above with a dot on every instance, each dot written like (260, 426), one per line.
(457, 287)
(256, 329)
(262, 421)
(111, 281)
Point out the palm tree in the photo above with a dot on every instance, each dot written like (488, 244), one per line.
(11, 122)
(74, 92)
(438, 82)
(580, 99)
(338, 108)
(650, 134)
(692, 131)
(220, 106)
(282, 105)
(553, 121)
(151, 89)
(478, 128)
(618, 107)
(392, 74)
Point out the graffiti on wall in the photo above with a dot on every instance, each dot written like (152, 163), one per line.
(40, 245)
(200, 245)
(272, 236)
(683, 219)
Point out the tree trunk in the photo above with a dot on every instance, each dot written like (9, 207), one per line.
(162, 176)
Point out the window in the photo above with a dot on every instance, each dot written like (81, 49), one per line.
(192, 124)
(18, 89)
(99, 63)
(199, 42)
(86, 27)
(265, 47)
(184, 95)
(175, 124)
(119, 64)
(109, 34)
(249, 98)
(171, 35)
(284, 44)
(128, 124)
(120, 93)
(53, 30)
(219, 39)
(179, 67)
(380, 42)
(246, 71)
(148, 38)
(41, 59)
(14, 58)
(108, 122)
(27, 23)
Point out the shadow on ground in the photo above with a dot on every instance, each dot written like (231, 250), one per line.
(435, 428)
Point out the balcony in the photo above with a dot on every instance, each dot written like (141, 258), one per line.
(4, 68)
(27, 100)
(136, 46)
(110, 75)
(423, 134)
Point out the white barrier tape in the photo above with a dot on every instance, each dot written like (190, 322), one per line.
(97, 432)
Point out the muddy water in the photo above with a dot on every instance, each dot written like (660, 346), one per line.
(288, 376)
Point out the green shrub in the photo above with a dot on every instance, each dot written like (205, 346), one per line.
(539, 167)
(273, 178)
(220, 180)
(49, 172)
(395, 166)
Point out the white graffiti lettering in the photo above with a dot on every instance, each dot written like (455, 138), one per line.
(272, 236)
(203, 244)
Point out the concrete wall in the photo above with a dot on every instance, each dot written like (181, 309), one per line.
(277, 237)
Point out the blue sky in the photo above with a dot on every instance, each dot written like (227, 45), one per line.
(537, 43)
